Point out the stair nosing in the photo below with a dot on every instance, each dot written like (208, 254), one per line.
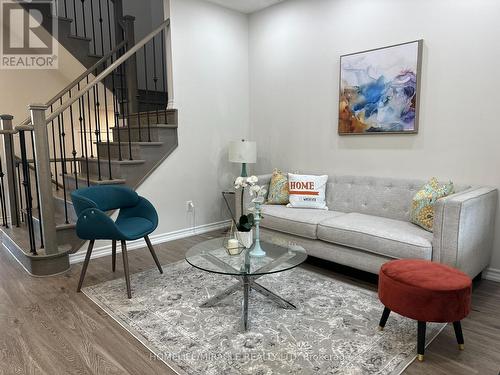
(145, 126)
(114, 161)
(79, 37)
(115, 144)
(92, 178)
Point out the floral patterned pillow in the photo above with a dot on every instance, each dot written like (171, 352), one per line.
(422, 208)
(278, 188)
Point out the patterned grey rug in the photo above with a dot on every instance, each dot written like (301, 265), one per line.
(333, 330)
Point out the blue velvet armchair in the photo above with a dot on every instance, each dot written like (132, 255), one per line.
(137, 219)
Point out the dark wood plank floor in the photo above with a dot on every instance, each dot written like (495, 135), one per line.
(47, 328)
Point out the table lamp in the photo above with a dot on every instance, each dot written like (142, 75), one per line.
(243, 152)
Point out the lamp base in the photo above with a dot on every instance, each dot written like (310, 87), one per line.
(244, 170)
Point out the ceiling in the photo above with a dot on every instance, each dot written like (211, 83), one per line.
(246, 6)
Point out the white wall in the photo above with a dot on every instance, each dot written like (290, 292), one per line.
(210, 73)
(294, 68)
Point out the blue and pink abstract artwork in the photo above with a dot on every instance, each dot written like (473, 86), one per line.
(379, 90)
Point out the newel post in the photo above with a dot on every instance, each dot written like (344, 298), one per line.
(10, 168)
(131, 65)
(47, 210)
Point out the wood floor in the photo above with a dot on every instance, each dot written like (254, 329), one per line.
(47, 328)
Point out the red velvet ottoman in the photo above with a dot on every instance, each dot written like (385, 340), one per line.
(427, 292)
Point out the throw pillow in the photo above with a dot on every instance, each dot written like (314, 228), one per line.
(278, 188)
(307, 191)
(422, 208)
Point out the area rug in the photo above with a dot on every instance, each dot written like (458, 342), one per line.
(333, 331)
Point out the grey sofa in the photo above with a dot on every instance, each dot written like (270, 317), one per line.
(368, 224)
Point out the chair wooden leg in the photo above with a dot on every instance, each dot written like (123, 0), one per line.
(125, 269)
(458, 333)
(113, 255)
(421, 340)
(383, 319)
(85, 265)
(152, 250)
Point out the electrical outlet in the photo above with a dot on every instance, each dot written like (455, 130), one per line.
(189, 206)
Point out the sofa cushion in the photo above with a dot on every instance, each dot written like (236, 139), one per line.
(298, 221)
(388, 237)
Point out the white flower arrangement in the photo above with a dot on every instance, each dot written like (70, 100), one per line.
(257, 192)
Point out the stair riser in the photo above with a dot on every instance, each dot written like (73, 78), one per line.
(136, 134)
(154, 119)
(82, 182)
(60, 210)
(93, 169)
(123, 171)
(114, 151)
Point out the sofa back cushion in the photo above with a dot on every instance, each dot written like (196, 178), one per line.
(379, 196)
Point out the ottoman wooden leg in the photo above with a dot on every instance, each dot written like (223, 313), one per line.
(383, 319)
(458, 333)
(421, 340)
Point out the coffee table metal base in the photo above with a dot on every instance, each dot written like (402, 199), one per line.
(246, 284)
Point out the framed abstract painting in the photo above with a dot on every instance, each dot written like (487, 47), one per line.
(379, 90)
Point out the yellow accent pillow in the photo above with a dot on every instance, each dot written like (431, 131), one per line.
(422, 208)
(278, 188)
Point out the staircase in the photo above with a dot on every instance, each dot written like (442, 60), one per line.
(111, 125)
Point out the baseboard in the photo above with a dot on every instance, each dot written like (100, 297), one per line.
(155, 239)
(492, 274)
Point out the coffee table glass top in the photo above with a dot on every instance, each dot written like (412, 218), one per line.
(211, 256)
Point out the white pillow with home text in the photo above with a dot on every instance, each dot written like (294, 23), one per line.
(306, 191)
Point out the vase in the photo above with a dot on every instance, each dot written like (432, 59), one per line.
(257, 250)
(246, 238)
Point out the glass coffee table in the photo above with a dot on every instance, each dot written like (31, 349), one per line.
(211, 256)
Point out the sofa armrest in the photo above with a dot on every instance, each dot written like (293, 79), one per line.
(464, 228)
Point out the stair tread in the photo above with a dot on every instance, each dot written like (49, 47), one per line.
(95, 179)
(152, 112)
(61, 18)
(145, 126)
(115, 143)
(114, 161)
(79, 37)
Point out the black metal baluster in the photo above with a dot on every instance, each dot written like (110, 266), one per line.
(2, 192)
(107, 127)
(63, 163)
(97, 130)
(125, 106)
(65, 9)
(109, 28)
(155, 79)
(75, 20)
(83, 19)
(101, 30)
(164, 74)
(85, 140)
(54, 148)
(116, 106)
(93, 26)
(147, 91)
(37, 190)
(27, 192)
(90, 123)
(19, 185)
(73, 144)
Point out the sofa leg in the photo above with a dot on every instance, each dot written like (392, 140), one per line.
(152, 251)
(383, 319)
(421, 340)
(125, 268)
(113, 255)
(85, 265)
(457, 326)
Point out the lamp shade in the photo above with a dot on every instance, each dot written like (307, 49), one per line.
(243, 152)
